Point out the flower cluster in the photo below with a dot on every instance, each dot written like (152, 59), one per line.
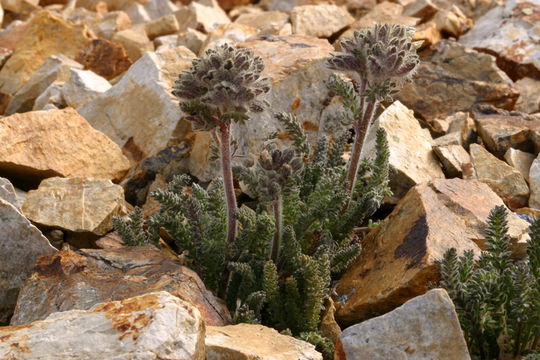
(276, 168)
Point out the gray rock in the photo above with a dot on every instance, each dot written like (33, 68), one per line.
(534, 180)
(7, 193)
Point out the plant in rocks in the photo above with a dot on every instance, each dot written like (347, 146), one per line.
(497, 298)
(274, 262)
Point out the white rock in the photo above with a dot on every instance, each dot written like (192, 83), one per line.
(82, 87)
(426, 327)
(529, 96)
(267, 22)
(164, 25)
(319, 20)
(137, 13)
(453, 158)
(192, 39)
(7, 193)
(135, 41)
(208, 15)
(228, 33)
(166, 41)
(520, 160)
(159, 8)
(534, 181)
(147, 327)
(51, 98)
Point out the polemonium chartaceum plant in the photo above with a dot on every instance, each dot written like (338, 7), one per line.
(222, 87)
(378, 61)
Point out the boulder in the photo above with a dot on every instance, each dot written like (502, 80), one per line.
(510, 33)
(319, 20)
(79, 280)
(529, 96)
(505, 180)
(453, 158)
(520, 160)
(426, 327)
(534, 181)
(147, 327)
(397, 261)
(410, 149)
(46, 35)
(141, 103)
(452, 78)
(21, 243)
(135, 41)
(61, 143)
(106, 58)
(75, 204)
(82, 87)
(7, 193)
(250, 341)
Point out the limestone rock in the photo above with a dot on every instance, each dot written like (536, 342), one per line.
(135, 41)
(111, 23)
(147, 327)
(501, 130)
(82, 87)
(319, 20)
(230, 4)
(423, 9)
(77, 281)
(159, 8)
(228, 33)
(397, 259)
(410, 149)
(452, 21)
(192, 39)
(529, 96)
(207, 15)
(137, 13)
(511, 34)
(55, 68)
(21, 243)
(7, 193)
(452, 157)
(267, 22)
(462, 123)
(384, 12)
(165, 42)
(19, 6)
(60, 143)
(250, 342)
(519, 160)
(428, 33)
(148, 112)
(46, 35)
(426, 327)
(506, 181)
(328, 326)
(75, 204)
(164, 25)
(106, 58)
(452, 78)
(51, 98)
(534, 181)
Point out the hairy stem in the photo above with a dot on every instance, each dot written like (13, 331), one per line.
(278, 216)
(226, 167)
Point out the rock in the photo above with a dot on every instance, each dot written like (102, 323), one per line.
(46, 35)
(147, 327)
(164, 25)
(21, 243)
(207, 15)
(106, 58)
(19, 6)
(506, 181)
(452, 78)
(55, 237)
(449, 139)
(422, 9)
(534, 181)
(229, 33)
(61, 143)
(397, 259)
(4, 54)
(511, 34)
(427, 33)
(137, 13)
(79, 280)
(463, 124)
(111, 23)
(471, 9)
(166, 42)
(151, 205)
(267, 22)
(452, 157)
(148, 112)
(192, 39)
(229, 4)
(82, 87)
(519, 160)
(529, 96)
(75, 204)
(530, 212)
(384, 12)
(107, 5)
(7, 193)
(328, 327)
(501, 130)
(159, 8)
(55, 68)
(250, 341)
(319, 20)
(135, 42)
(410, 149)
(14, 34)
(51, 98)
(426, 327)
(452, 22)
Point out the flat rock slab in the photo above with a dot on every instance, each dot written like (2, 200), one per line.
(148, 327)
(75, 204)
(40, 144)
(452, 78)
(68, 280)
(255, 342)
(426, 327)
(397, 261)
(21, 243)
(319, 20)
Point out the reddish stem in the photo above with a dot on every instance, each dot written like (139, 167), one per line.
(226, 167)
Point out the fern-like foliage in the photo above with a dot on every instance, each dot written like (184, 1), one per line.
(131, 230)
(497, 299)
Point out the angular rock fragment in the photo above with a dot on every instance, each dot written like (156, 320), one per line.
(425, 327)
(267, 22)
(135, 41)
(105, 58)
(164, 25)
(534, 181)
(423, 9)
(147, 327)
(520, 160)
(232, 33)
(7, 193)
(452, 21)
(397, 261)
(192, 39)
(77, 281)
(207, 15)
(529, 96)
(82, 87)
(51, 98)
(319, 20)
(452, 157)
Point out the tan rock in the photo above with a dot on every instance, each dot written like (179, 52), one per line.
(137, 13)
(77, 281)
(385, 12)
(82, 87)
(529, 96)
(21, 244)
(47, 35)
(520, 160)
(534, 181)
(41, 144)
(135, 41)
(19, 6)
(462, 123)
(505, 180)
(7, 193)
(13, 35)
(453, 138)
(5, 53)
(105, 58)
(228, 33)
(530, 212)
(328, 326)
(319, 20)
(423, 9)
(147, 327)
(229, 4)
(427, 33)
(251, 342)
(111, 23)
(207, 15)
(164, 25)
(397, 259)
(267, 22)
(159, 8)
(452, 78)
(192, 39)
(452, 21)
(452, 157)
(410, 149)
(424, 327)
